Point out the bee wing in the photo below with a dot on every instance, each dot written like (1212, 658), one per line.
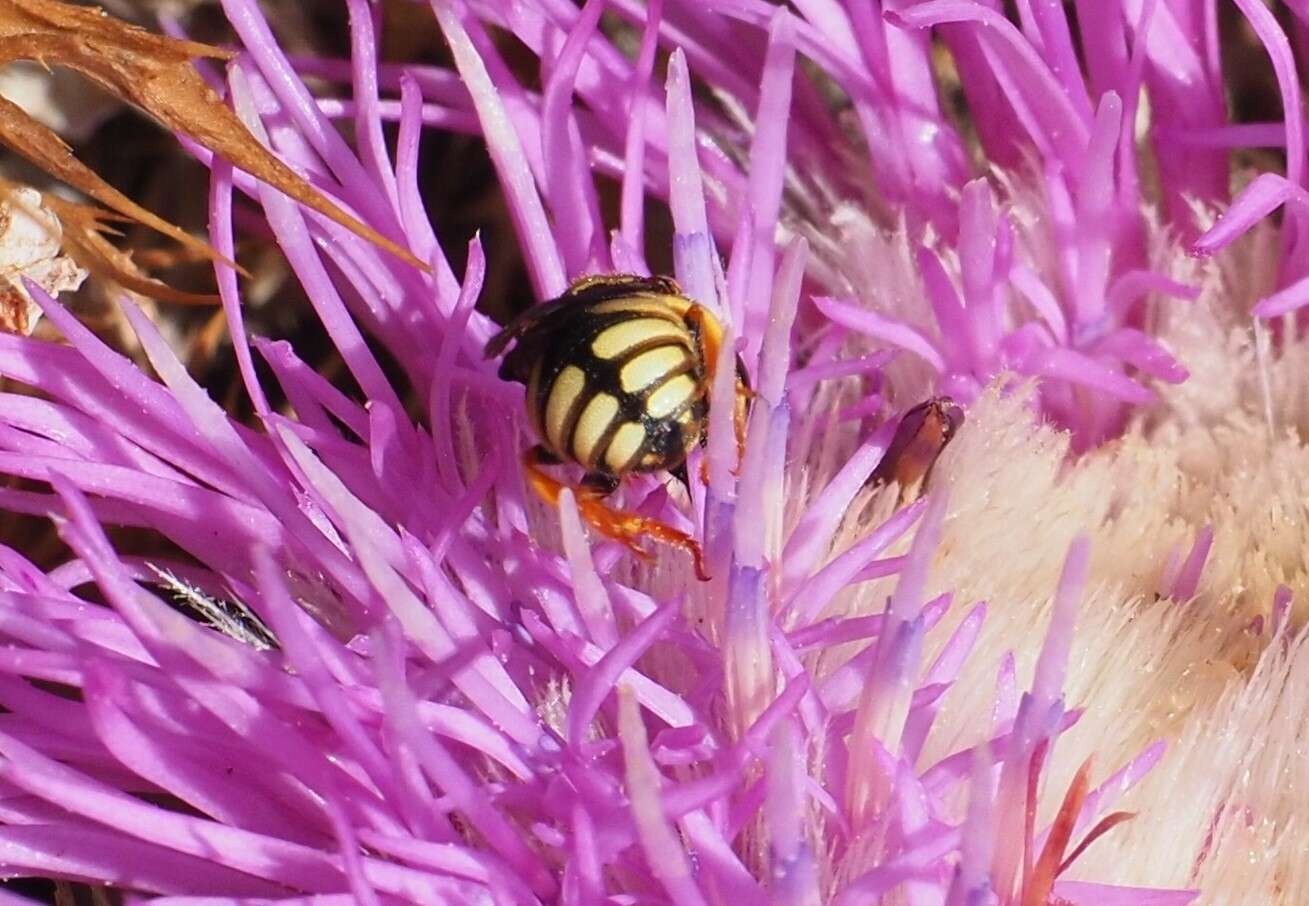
(583, 291)
(522, 324)
(603, 287)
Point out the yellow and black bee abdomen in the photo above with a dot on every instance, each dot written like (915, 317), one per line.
(617, 371)
(617, 391)
(614, 375)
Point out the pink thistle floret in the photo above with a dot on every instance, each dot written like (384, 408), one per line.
(379, 671)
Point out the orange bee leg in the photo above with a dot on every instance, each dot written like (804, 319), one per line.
(626, 528)
(744, 398)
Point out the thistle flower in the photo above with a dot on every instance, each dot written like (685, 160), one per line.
(365, 665)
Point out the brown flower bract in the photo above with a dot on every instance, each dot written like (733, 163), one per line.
(154, 73)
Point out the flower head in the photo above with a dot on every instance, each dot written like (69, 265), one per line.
(362, 662)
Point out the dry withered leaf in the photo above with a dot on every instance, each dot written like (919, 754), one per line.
(85, 229)
(154, 73)
(45, 149)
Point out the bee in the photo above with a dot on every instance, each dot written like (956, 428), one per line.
(920, 439)
(617, 372)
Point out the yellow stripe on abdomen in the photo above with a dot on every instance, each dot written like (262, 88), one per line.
(566, 392)
(624, 447)
(591, 427)
(671, 396)
(615, 341)
(673, 308)
(649, 368)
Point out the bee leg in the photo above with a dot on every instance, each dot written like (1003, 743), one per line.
(626, 528)
(744, 397)
(679, 472)
(599, 485)
(540, 456)
(629, 529)
(739, 422)
(547, 488)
